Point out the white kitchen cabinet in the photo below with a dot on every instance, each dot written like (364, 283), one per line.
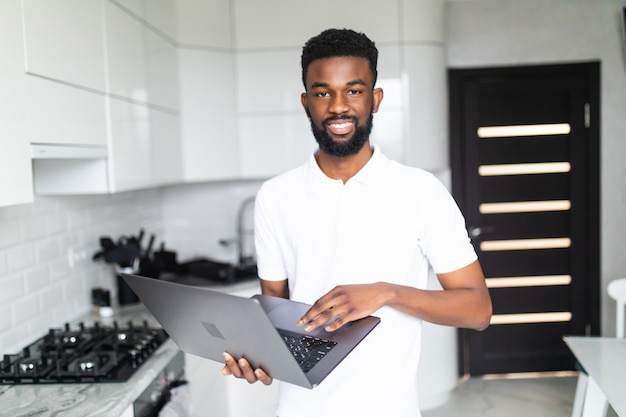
(64, 87)
(64, 65)
(131, 165)
(275, 127)
(64, 41)
(145, 148)
(142, 58)
(15, 171)
(126, 54)
(207, 91)
(143, 84)
(252, 30)
(162, 68)
(166, 156)
(208, 122)
(61, 114)
(116, 87)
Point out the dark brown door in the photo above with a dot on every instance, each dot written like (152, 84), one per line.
(525, 172)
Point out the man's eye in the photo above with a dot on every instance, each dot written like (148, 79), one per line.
(322, 94)
(354, 92)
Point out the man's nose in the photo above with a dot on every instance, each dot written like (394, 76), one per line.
(339, 104)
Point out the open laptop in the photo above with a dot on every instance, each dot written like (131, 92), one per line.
(262, 329)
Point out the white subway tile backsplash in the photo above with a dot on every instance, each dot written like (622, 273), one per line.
(9, 232)
(15, 338)
(197, 216)
(6, 318)
(20, 257)
(3, 262)
(47, 250)
(77, 218)
(59, 268)
(12, 289)
(26, 308)
(37, 279)
(51, 296)
(41, 285)
(33, 228)
(67, 310)
(56, 223)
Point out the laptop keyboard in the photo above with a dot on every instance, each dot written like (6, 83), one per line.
(307, 350)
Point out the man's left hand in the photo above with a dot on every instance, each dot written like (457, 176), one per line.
(343, 304)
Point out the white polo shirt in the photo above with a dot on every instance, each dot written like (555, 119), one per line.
(386, 223)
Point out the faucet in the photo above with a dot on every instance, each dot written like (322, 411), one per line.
(243, 260)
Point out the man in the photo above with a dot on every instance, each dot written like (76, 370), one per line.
(353, 233)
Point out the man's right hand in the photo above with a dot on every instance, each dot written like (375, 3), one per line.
(242, 369)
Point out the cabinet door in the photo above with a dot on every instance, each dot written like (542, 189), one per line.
(130, 156)
(65, 66)
(126, 57)
(145, 147)
(162, 71)
(64, 41)
(62, 114)
(209, 126)
(15, 169)
(167, 162)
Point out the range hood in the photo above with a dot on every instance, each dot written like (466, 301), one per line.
(70, 169)
(59, 151)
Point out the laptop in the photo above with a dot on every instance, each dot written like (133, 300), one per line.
(262, 329)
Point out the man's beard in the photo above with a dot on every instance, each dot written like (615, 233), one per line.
(342, 149)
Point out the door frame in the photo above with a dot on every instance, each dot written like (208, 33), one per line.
(591, 70)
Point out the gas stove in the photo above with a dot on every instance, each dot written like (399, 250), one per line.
(85, 354)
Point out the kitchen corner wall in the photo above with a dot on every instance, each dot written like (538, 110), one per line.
(46, 270)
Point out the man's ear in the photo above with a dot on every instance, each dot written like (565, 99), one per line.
(377, 97)
(305, 104)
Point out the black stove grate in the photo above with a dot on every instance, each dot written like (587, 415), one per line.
(83, 355)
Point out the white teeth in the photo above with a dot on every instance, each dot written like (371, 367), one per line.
(340, 125)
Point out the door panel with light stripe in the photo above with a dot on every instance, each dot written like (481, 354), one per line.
(524, 153)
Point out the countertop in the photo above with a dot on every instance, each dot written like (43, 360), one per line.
(100, 399)
(604, 360)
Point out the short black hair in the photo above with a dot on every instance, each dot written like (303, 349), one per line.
(339, 42)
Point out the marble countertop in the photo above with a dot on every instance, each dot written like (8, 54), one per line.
(100, 399)
(87, 400)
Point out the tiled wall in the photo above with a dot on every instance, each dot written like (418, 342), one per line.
(42, 285)
(196, 217)
(39, 286)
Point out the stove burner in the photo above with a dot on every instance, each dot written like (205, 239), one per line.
(28, 366)
(86, 354)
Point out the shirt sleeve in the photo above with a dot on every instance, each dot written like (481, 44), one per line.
(445, 240)
(270, 263)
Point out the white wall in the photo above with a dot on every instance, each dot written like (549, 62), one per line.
(512, 32)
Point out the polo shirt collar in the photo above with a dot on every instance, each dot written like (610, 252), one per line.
(369, 175)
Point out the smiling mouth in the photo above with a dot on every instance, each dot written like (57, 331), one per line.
(340, 127)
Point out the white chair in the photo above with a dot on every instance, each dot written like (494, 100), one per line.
(617, 291)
